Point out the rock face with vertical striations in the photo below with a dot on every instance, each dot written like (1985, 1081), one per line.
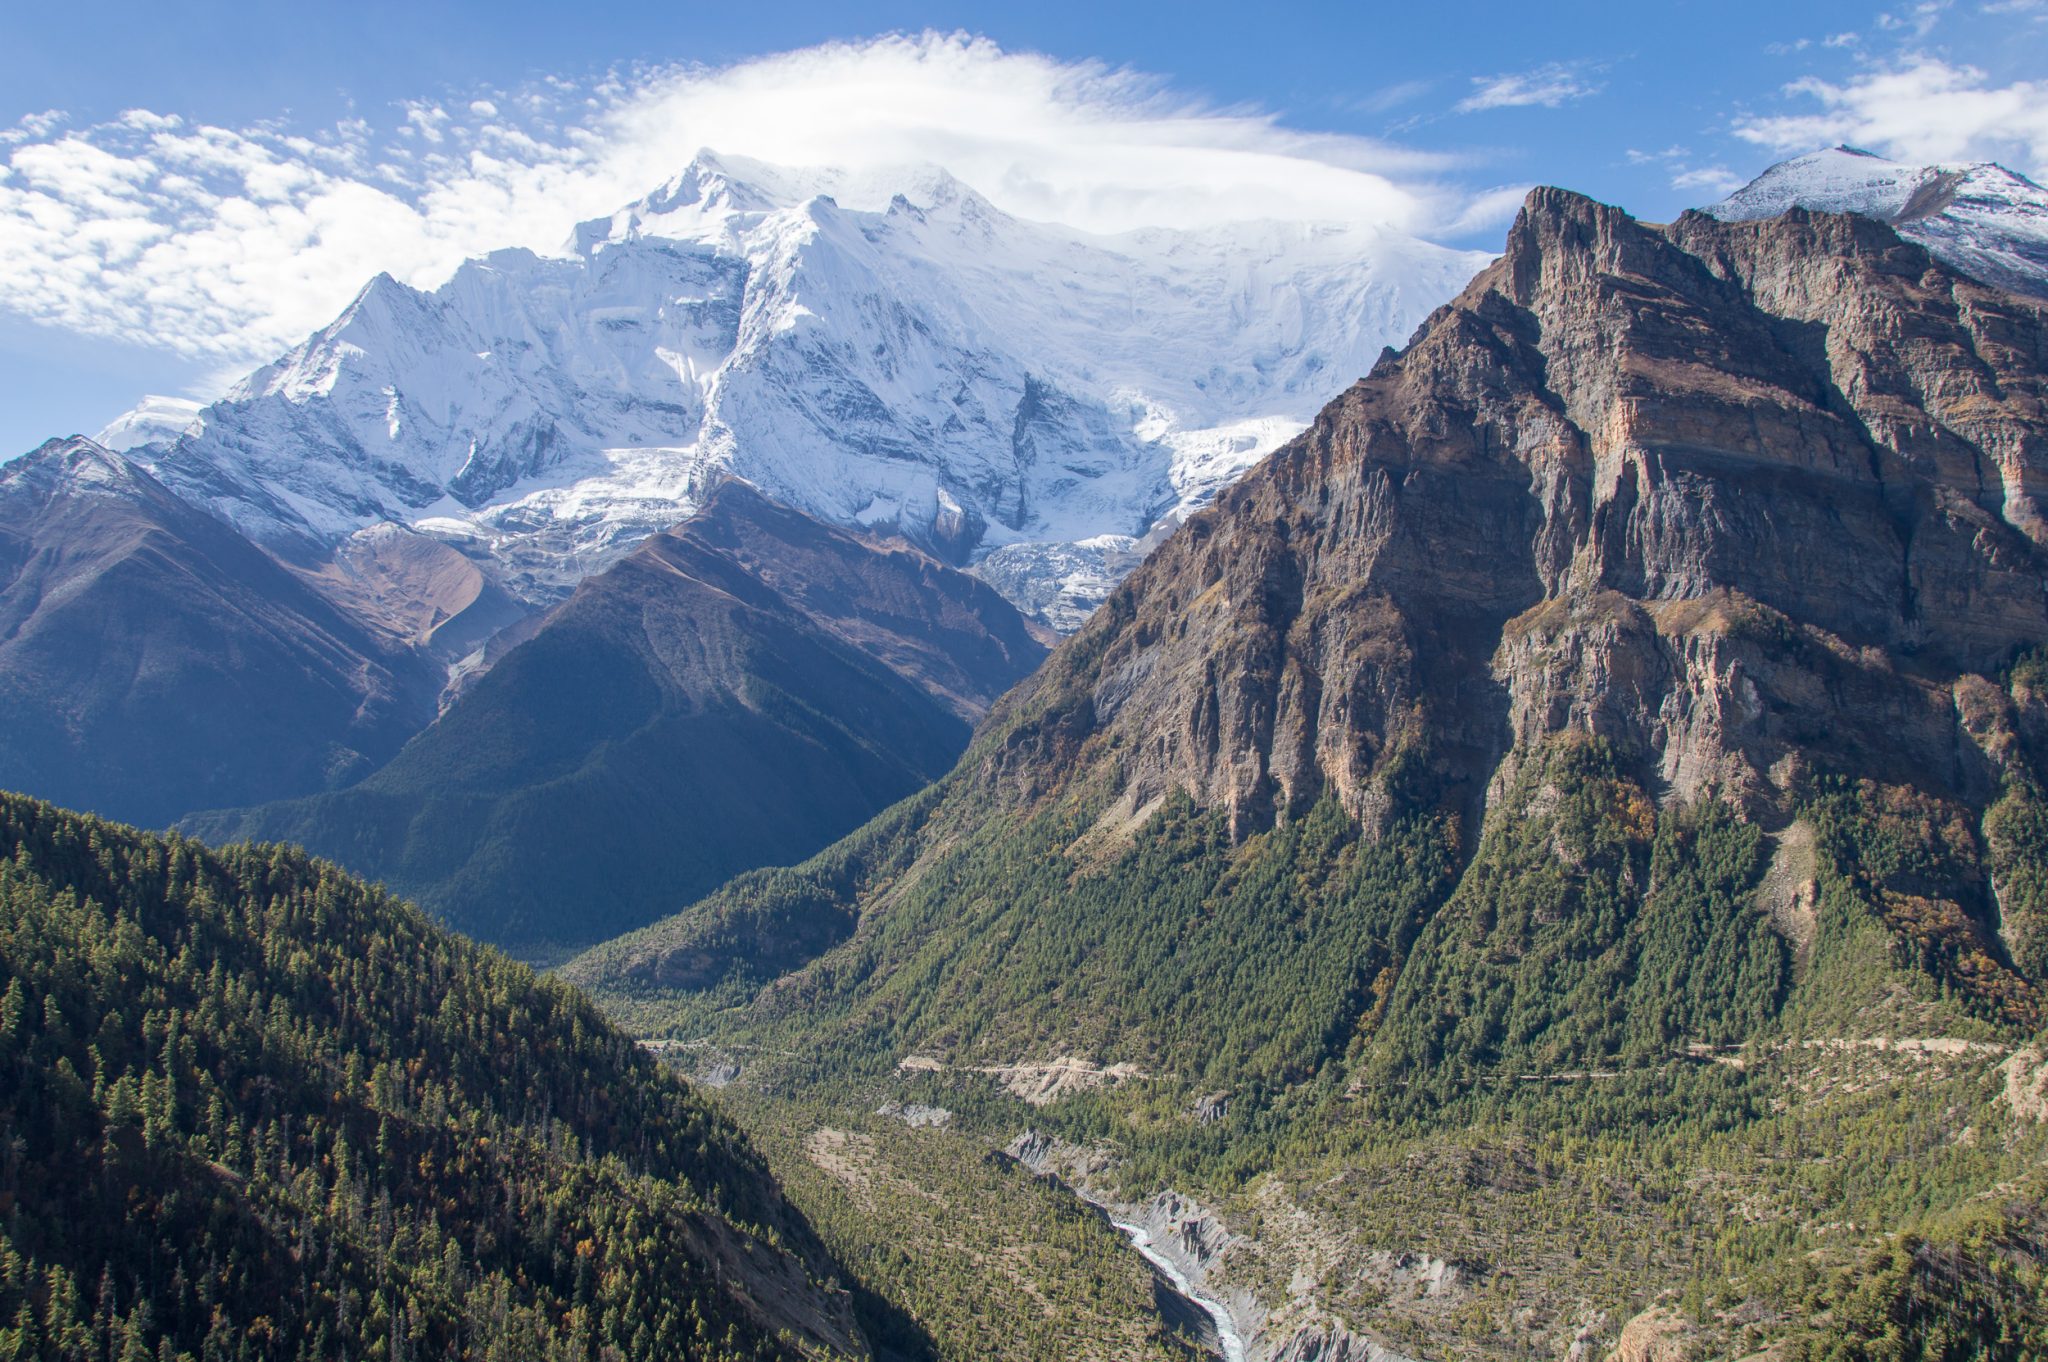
(1620, 712)
(1744, 500)
(1724, 494)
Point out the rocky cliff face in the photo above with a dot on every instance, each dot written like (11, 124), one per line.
(1747, 501)
(1612, 716)
(1741, 497)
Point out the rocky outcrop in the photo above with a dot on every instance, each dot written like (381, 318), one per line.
(1049, 1156)
(1191, 1243)
(1318, 1345)
(1657, 1335)
(2026, 1084)
(1742, 498)
(916, 1115)
(771, 1285)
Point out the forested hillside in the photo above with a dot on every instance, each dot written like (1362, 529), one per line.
(1551, 863)
(253, 1109)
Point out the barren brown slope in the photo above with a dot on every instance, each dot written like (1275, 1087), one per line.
(735, 693)
(152, 661)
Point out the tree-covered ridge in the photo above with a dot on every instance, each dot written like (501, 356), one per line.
(255, 1109)
(1629, 1026)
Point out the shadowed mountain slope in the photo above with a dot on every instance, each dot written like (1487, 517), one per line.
(153, 661)
(735, 693)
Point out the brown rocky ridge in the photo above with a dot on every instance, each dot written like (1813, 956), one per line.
(1723, 494)
(736, 692)
(1746, 500)
(1624, 700)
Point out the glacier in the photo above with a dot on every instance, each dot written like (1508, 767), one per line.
(885, 350)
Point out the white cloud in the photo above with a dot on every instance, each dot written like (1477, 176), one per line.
(1918, 19)
(32, 126)
(1677, 163)
(1924, 110)
(1387, 97)
(1717, 180)
(230, 244)
(1488, 209)
(1549, 85)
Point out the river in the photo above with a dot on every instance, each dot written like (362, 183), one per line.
(1226, 1329)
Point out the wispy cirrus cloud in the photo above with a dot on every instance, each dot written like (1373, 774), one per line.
(1919, 20)
(1545, 86)
(228, 244)
(1387, 97)
(1922, 109)
(1717, 180)
(1488, 209)
(1684, 172)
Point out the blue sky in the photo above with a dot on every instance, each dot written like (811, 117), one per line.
(185, 190)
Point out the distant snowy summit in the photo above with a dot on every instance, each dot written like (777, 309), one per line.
(1989, 222)
(884, 351)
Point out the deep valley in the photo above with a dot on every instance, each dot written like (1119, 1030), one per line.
(888, 780)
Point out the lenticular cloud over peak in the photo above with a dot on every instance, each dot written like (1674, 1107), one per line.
(231, 243)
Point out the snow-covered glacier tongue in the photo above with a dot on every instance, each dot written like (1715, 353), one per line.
(884, 350)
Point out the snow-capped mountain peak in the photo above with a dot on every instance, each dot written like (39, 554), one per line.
(885, 349)
(1981, 218)
(154, 420)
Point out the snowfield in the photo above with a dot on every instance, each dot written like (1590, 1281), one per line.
(890, 351)
(1983, 219)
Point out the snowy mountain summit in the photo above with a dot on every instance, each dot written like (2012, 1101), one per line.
(1982, 219)
(885, 351)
